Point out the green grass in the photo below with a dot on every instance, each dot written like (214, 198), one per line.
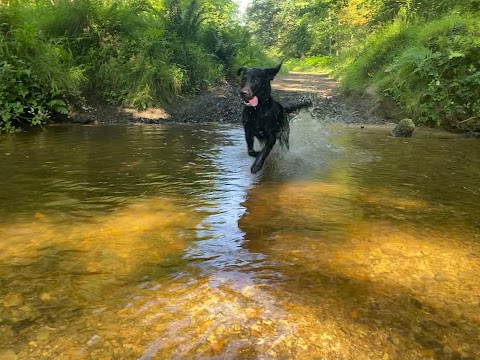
(314, 64)
(52, 56)
(430, 68)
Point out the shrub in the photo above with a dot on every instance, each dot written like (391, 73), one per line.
(430, 68)
(138, 53)
(313, 64)
(358, 66)
(437, 78)
(37, 77)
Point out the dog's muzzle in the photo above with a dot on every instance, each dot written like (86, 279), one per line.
(251, 102)
(248, 98)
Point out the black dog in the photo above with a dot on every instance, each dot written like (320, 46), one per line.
(263, 117)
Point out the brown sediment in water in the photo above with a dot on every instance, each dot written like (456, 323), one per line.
(154, 243)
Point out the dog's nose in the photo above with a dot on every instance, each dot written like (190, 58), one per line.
(244, 92)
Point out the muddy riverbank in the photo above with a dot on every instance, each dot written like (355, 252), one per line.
(222, 105)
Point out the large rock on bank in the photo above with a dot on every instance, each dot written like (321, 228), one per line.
(404, 128)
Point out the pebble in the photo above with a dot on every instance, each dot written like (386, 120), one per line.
(428, 353)
(389, 250)
(442, 277)
(45, 297)
(93, 340)
(12, 299)
(354, 314)
(8, 355)
(42, 335)
(248, 291)
(447, 349)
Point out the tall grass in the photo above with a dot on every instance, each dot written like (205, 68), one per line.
(38, 76)
(137, 53)
(316, 64)
(432, 69)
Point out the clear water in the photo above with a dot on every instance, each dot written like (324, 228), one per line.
(139, 242)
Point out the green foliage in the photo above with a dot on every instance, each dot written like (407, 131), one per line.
(298, 28)
(138, 53)
(22, 96)
(318, 64)
(357, 66)
(422, 54)
(37, 76)
(431, 69)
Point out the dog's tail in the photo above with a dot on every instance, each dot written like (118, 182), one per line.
(292, 108)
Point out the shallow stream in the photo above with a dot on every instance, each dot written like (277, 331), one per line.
(156, 242)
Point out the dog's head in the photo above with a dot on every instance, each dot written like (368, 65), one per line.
(255, 84)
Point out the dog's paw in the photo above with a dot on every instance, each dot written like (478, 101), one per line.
(255, 168)
(253, 153)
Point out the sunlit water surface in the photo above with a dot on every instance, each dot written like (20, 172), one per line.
(139, 242)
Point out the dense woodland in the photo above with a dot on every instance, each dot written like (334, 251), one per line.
(56, 55)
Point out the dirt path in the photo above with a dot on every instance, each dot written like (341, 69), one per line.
(328, 104)
(308, 83)
(223, 105)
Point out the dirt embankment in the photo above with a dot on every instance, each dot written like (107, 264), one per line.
(223, 105)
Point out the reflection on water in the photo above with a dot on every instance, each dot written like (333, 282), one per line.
(220, 245)
(137, 242)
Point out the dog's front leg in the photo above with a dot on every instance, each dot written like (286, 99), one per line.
(250, 139)
(262, 155)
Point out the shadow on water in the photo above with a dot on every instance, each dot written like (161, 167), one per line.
(157, 242)
(369, 241)
(58, 279)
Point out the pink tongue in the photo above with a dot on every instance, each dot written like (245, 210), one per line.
(253, 101)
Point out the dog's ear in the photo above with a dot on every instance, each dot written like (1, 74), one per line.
(271, 72)
(240, 71)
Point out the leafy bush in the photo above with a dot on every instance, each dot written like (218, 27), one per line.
(430, 68)
(37, 77)
(437, 78)
(312, 64)
(357, 67)
(138, 53)
(23, 97)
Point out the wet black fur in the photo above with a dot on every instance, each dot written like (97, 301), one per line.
(269, 120)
